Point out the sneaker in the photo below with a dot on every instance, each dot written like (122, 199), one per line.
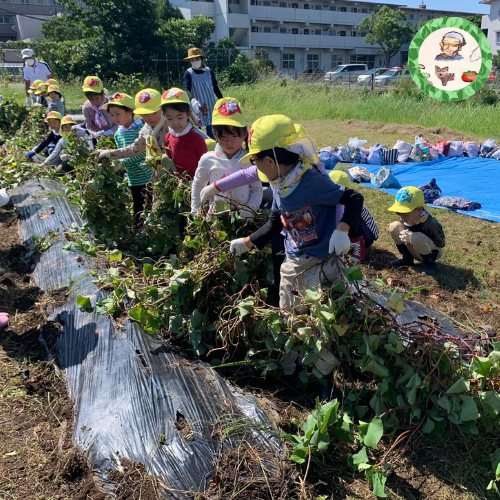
(358, 253)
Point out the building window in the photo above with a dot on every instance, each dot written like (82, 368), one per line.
(6, 19)
(411, 16)
(498, 37)
(283, 31)
(354, 9)
(295, 5)
(267, 29)
(318, 7)
(306, 31)
(353, 33)
(364, 11)
(288, 61)
(317, 32)
(312, 61)
(332, 7)
(343, 9)
(306, 6)
(266, 4)
(232, 1)
(283, 4)
(336, 60)
(429, 17)
(255, 29)
(295, 31)
(332, 32)
(343, 33)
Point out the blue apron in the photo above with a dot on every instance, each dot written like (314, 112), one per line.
(203, 91)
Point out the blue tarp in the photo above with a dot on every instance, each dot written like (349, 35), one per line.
(476, 179)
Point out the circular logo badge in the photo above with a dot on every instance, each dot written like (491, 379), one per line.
(450, 59)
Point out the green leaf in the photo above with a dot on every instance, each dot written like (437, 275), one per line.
(378, 482)
(412, 386)
(458, 387)
(312, 296)
(491, 402)
(84, 302)
(468, 409)
(371, 433)
(481, 366)
(444, 403)
(394, 345)
(175, 323)
(361, 457)
(352, 274)
(196, 319)
(429, 426)
(395, 303)
(495, 462)
(346, 430)
(115, 255)
(138, 314)
(246, 307)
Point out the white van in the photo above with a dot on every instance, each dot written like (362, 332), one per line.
(346, 72)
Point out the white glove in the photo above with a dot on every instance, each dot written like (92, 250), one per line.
(64, 157)
(339, 243)
(97, 134)
(209, 192)
(404, 236)
(29, 102)
(104, 153)
(117, 166)
(246, 214)
(44, 164)
(238, 247)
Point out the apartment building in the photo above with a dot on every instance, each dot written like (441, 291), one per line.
(22, 19)
(304, 34)
(491, 24)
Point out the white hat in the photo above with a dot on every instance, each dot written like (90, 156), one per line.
(458, 36)
(27, 53)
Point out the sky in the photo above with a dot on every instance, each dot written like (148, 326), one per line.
(457, 5)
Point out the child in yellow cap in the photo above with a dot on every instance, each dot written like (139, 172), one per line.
(41, 94)
(121, 108)
(184, 144)
(150, 139)
(56, 99)
(417, 234)
(32, 89)
(53, 120)
(366, 233)
(230, 129)
(97, 119)
(59, 155)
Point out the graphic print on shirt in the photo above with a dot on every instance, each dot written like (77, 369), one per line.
(301, 226)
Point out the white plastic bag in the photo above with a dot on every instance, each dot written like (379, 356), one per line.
(354, 143)
(418, 140)
(456, 148)
(404, 150)
(4, 197)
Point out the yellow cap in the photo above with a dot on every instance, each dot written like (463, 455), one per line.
(92, 84)
(42, 87)
(175, 96)
(210, 144)
(53, 115)
(341, 178)
(67, 120)
(119, 99)
(32, 87)
(408, 199)
(38, 82)
(51, 81)
(147, 102)
(299, 129)
(54, 88)
(227, 111)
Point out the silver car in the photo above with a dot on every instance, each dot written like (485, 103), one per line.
(367, 77)
(392, 75)
(346, 72)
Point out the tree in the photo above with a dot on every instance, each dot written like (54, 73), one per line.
(62, 28)
(475, 19)
(496, 61)
(389, 29)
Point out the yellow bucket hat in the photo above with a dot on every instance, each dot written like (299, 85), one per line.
(51, 81)
(407, 199)
(54, 88)
(92, 84)
(53, 115)
(341, 178)
(227, 111)
(194, 53)
(147, 102)
(119, 99)
(68, 120)
(175, 96)
(42, 87)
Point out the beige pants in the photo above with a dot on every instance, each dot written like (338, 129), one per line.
(300, 274)
(418, 243)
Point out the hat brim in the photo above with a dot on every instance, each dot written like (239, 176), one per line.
(146, 111)
(400, 209)
(231, 122)
(92, 89)
(246, 159)
(193, 57)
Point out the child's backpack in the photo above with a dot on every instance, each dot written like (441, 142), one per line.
(385, 178)
(431, 191)
(457, 203)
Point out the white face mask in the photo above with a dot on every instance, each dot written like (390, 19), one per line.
(196, 64)
(30, 62)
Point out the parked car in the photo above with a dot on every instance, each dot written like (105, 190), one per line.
(392, 75)
(346, 72)
(492, 77)
(366, 77)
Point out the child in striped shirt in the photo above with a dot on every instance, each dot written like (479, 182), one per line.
(121, 108)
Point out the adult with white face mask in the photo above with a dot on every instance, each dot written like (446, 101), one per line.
(33, 70)
(200, 81)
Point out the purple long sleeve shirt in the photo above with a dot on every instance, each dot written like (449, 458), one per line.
(247, 176)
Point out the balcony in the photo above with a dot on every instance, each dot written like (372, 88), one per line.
(305, 15)
(308, 41)
(206, 9)
(238, 21)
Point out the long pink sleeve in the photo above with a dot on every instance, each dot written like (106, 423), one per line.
(240, 178)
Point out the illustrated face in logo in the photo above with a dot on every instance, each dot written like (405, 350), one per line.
(144, 97)
(404, 196)
(229, 108)
(450, 45)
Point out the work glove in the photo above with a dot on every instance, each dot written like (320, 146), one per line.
(117, 166)
(246, 214)
(30, 154)
(404, 236)
(238, 247)
(29, 102)
(207, 193)
(104, 153)
(339, 242)
(64, 157)
(97, 134)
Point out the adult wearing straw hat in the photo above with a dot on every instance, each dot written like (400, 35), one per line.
(200, 81)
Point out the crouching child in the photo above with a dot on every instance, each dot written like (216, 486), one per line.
(417, 234)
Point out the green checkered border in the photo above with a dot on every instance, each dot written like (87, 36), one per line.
(449, 95)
